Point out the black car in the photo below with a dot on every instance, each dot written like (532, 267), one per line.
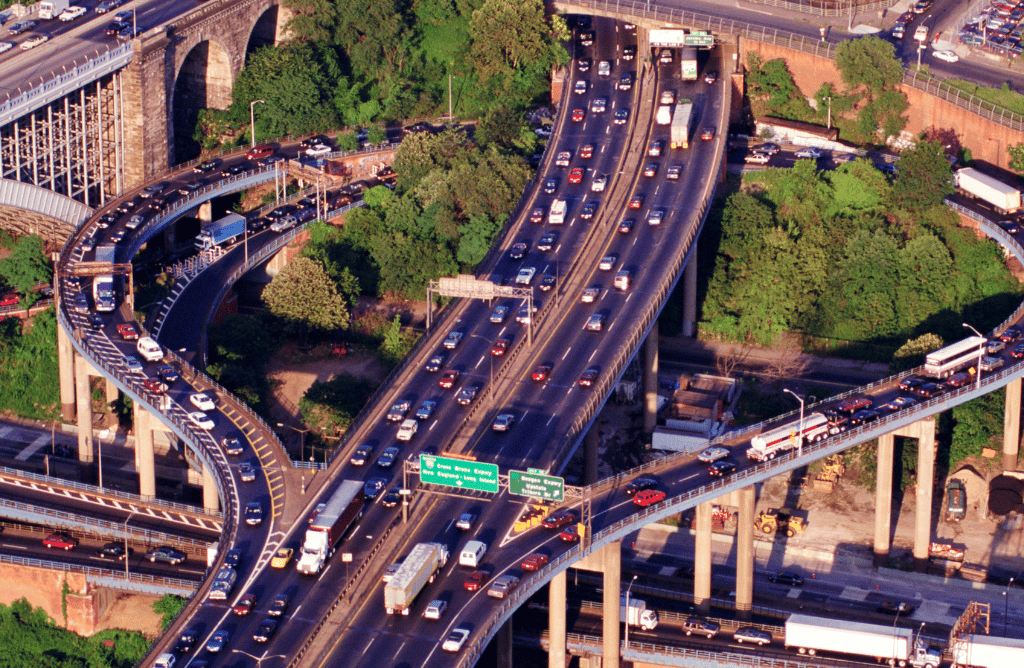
(189, 188)
(1011, 334)
(626, 226)
(113, 551)
(278, 605)
(547, 282)
(911, 384)
(640, 484)
(258, 225)
(207, 166)
(863, 417)
(787, 578)
(1018, 351)
(167, 373)
(187, 641)
(234, 170)
(722, 467)
(589, 209)
(313, 141)
(550, 186)
(392, 498)
(95, 322)
(518, 250)
(166, 554)
(265, 630)
(547, 242)
(895, 608)
(233, 558)
(928, 390)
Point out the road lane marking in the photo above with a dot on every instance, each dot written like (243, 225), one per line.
(566, 353)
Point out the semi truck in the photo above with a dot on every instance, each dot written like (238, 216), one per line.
(895, 646)
(222, 231)
(557, 214)
(680, 130)
(688, 63)
(103, 285)
(977, 651)
(340, 512)
(637, 614)
(768, 444)
(1005, 198)
(423, 563)
(51, 9)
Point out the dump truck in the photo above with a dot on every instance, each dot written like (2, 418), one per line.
(781, 520)
(978, 651)
(221, 231)
(638, 614)
(680, 130)
(423, 563)
(343, 508)
(894, 645)
(1005, 198)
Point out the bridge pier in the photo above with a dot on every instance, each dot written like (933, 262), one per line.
(1011, 426)
(883, 498)
(651, 381)
(84, 412)
(556, 621)
(66, 364)
(211, 500)
(611, 557)
(144, 461)
(205, 212)
(925, 484)
(591, 450)
(504, 644)
(690, 295)
(702, 558)
(745, 553)
(112, 393)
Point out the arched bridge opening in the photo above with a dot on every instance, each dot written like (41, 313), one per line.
(204, 81)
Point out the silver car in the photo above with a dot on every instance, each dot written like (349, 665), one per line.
(750, 634)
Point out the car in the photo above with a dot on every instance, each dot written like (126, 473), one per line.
(559, 519)
(21, 26)
(570, 534)
(128, 32)
(598, 184)
(710, 77)
(537, 215)
(373, 486)
(577, 115)
(596, 322)
(547, 282)
(589, 209)
(392, 498)
(626, 81)
(629, 52)
(454, 641)
(166, 554)
(449, 378)
(621, 281)
(387, 458)
(95, 322)
(34, 41)
(426, 409)
(700, 626)
(466, 521)
(236, 169)
(599, 105)
(626, 226)
(713, 454)
(920, 6)
(503, 422)
(899, 403)
(1018, 351)
(81, 303)
(588, 377)
(201, 420)
(650, 169)
(282, 557)
(206, 166)
(770, 148)
(809, 152)
(113, 550)
(525, 313)
(502, 586)
(583, 64)
(636, 201)
(887, 167)
(244, 605)
(639, 485)
(546, 243)
(232, 445)
(467, 394)
(500, 347)
(752, 635)
(318, 150)
(315, 140)
(667, 97)
(707, 132)
(186, 641)
(476, 579)
(246, 472)
(910, 383)
(929, 390)
(995, 346)
(655, 147)
(407, 429)
(655, 217)
(590, 294)
(722, 467)
(621, 116)
(435, 363)
(217, 641)
(398, 410)
(452, 340)
(580, 88)
(757, 158)
(154, 385)
(550, 186)
(787, 578)
(576, 175)
(647, 497)
(921, 34)
(541, 373)
(607, 262)
(190, 187)
(604, 68)
(562, 159)
(534, 562)
(435, 609)
(1010, 334)
(202, 401)
(132, 363)
(543, 131)
(253, 513)
(586, 151)
(118, 236)
(525, 275)
(896, 608)
(265, 630)
(518, 250)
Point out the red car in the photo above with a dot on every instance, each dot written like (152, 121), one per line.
(244, 605)
(499, 347)
(540, 374)
(588, 377)
(537, 215)
(448, 380)
(154, 385)
(587, 151)
(708, 133)
(577, 115)
(576, 175)
(559, 519)
(9, 300)
(636, 202)
(570, 534)
(534, 562)
(127, 331)
(648, 497)
(475, 580)
(60, 541)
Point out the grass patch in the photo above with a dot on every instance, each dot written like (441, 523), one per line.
(1004, 97)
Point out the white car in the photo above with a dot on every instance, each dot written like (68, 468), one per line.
(319, 149)
(947, 56)
(921, 34)
(407, 429)
(435, 609)
(713, 454)
(590, 294)
(604, 68)
(621, 281)
(6, 46)
(580, 88)
(809, 152)
(599, 184)
(655, 217)
(71, 13)
(33, 42)
(599, 105)
(757, 158)
(525, 275)
(456, 639)
(201, 420)
(452, 340)
(202, 401)
(607, 262)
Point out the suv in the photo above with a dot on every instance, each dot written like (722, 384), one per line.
(700, 626)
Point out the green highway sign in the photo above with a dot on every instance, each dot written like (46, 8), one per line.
(695, 39)
(536, 486)
(461, 473)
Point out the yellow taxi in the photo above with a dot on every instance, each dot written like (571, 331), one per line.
(282, 557)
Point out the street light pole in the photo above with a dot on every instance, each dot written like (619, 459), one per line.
(1006, 604)
(128, 519)
(260, 659)
(252, 121)
(829, 100)
(981, 350)
(631, 583)
(800, 442)
(302, 439)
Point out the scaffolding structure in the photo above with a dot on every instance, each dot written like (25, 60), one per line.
(73, 145)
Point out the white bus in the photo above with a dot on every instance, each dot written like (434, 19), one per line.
(944, 362)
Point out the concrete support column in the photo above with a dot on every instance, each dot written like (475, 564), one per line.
(1011, 426)
(925, 486)
(211, 500)
(556, 621)
(883, 498)
(504, 644)
(611, 557)
(745, 553)
(591, 452)
(112, 392)
(651, 381)
(66, 364)
(205, 212)
(690, 297)
(84, 410)
(702, 558)
(144, 453)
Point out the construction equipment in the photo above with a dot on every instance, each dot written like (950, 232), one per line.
(832, 470)
(779, 520)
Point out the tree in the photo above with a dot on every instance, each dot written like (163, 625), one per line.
(304, 295)
(870, 62)
(923, 179)
(1016, 152)
(26, 266)
(506, 34)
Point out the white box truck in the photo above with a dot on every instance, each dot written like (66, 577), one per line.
(809, 635)
(51, 9)
(423, 563)
(103, 285)
(343, 508)
(680, 130)
(1004, 198)
(768, 444)
(977, 651)
(638, 614)
(221, 231)
(557, 214)
(688, 63)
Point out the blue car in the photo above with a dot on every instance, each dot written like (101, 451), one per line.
(373, 486)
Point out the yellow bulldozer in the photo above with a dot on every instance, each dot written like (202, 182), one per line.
(831, 470)
(779, 520)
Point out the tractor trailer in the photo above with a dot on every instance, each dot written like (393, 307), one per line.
(768, 444)
(103, 285)
(222, 231)
(637, 614)
(680, 130)
(977, 651)
(341, 511)
(1005, 199)
(896, 646)
(423, 563)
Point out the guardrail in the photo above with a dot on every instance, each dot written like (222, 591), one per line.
(141, 582)
(819, 7)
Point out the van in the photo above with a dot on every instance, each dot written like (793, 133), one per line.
(165, 660)
(149, 349)
(472, 553)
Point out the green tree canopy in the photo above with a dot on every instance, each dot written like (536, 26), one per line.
(304, 295)
(26, 266)
(869, 61)
(923, 179)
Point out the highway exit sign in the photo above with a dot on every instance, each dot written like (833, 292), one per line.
(698, 39)
(460, 473)
(536, 486)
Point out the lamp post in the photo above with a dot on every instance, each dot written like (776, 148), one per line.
(631, 583)
(829, 100)
(128, 519)
(302, 438)
(981, 350)
(252, 121)
(260, 659)
(800, 442)
(1006, 604)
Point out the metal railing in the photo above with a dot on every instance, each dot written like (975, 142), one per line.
(827, 8)
(141, 582)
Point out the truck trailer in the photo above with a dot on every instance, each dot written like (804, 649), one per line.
(977, 651)
(896, 646)
(768, 444)
(51, 9)
(688, 63)
(103, 285)
(423, 563)
(341, 511)
(222, 231)
(638, 614)
(680, 130)
(1005, 198)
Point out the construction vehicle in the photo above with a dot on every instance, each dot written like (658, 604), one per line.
(532, 516)
(720, 517)
(945, 551)
(778, 520)
(832, 470)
